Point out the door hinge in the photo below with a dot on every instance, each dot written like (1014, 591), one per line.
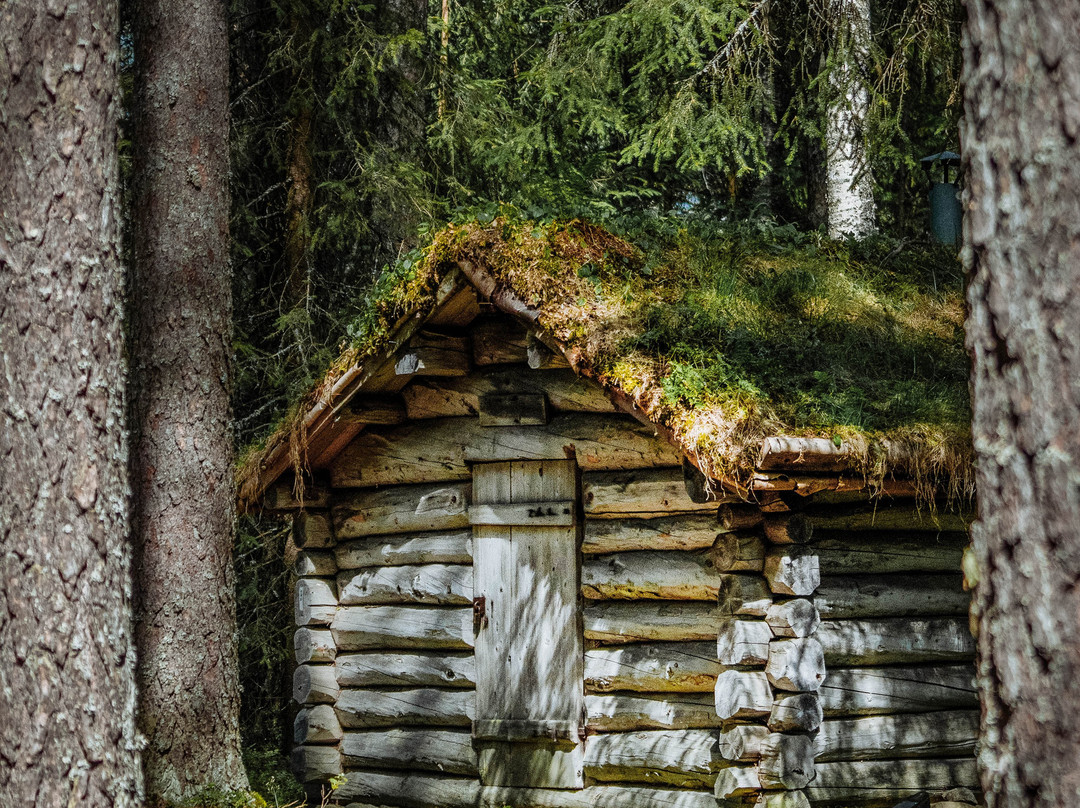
(479, 613)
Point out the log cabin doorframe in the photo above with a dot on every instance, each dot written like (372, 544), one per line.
(529, 725)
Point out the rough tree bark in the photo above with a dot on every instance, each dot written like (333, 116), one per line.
(849, 186)
(1022, 235)
(67, 679)
(181, 455)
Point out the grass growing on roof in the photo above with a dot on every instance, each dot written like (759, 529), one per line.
(729, 333)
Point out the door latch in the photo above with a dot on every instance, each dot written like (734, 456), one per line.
(479, 613)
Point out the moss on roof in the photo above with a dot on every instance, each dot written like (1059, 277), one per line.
(733, 334)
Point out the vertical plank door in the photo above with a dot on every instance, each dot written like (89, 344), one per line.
(529, 641)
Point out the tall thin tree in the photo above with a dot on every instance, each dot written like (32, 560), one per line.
(1021, 147)
(182, 444)
(67, 679)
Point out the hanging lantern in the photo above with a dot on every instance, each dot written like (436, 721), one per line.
(945, 211)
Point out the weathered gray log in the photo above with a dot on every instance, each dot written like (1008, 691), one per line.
(675, 757)
(317, 724)
(315, 563)
(787, 761)
(442, 398)
(892, 779)
(793, 618)
(442, 449)
(401, 509)
(939, 734)
(736, 781)
(445, 584)
(871, 691)
(797, 712)
(314, 645)
(626, 622)
(683, 532)
(499, 341)
(315, 684)
(805, 454)
(377, 410)
(887, 641)
(405, 669)
(742, 695)
(424, 791)
(741, 742)
(788, 529)
(743, 642)
(316, 602)
(848, 596)
(311, 530)
(514, 409)
(281, 496)
(440, 750)
(683, 667)
(744, 594)
(644, 493)
(358, 628)
(619, 713)
(793, 571)
(857, 554)
(312, 763)
(426, 706)
(668, 575)
(796, 665)
(871, 517)
(444, 547)
(738, 552)
(732, 517)
(782, 799)
(431, 354)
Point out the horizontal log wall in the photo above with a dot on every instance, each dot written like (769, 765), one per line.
(727, 650)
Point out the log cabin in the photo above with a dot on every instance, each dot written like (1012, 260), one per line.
(519, 585)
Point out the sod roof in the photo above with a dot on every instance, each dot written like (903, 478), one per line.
(719, 340)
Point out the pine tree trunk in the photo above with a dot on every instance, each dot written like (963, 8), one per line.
(849, 186)
(67, 679)
(182, 445)
(1022, 231)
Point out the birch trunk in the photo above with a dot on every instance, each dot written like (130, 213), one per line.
(67, 671)
(849, 186)
(182, 450)
(1022, 239)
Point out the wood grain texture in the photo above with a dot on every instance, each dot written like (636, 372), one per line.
(438, 750)
(899, 689)
(886, 641)
(405, 669)
(852, 596)
(937, 735)
(682, 758)
(442, 584)
(442, 398)
(440, 450)
(621, 713)
(685, 667)
(401, 509)
(644, 493)
(893, 779)
(424, 706)
(442, 547)
(357, 628)
(680, 532)
(618, 622)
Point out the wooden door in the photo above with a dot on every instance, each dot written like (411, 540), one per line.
(529, 641)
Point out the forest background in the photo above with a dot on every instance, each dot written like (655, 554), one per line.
(359, 129)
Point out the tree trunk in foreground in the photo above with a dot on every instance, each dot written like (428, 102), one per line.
(1022, 231)
(849, 186)
(181, 454)
(67, 679)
